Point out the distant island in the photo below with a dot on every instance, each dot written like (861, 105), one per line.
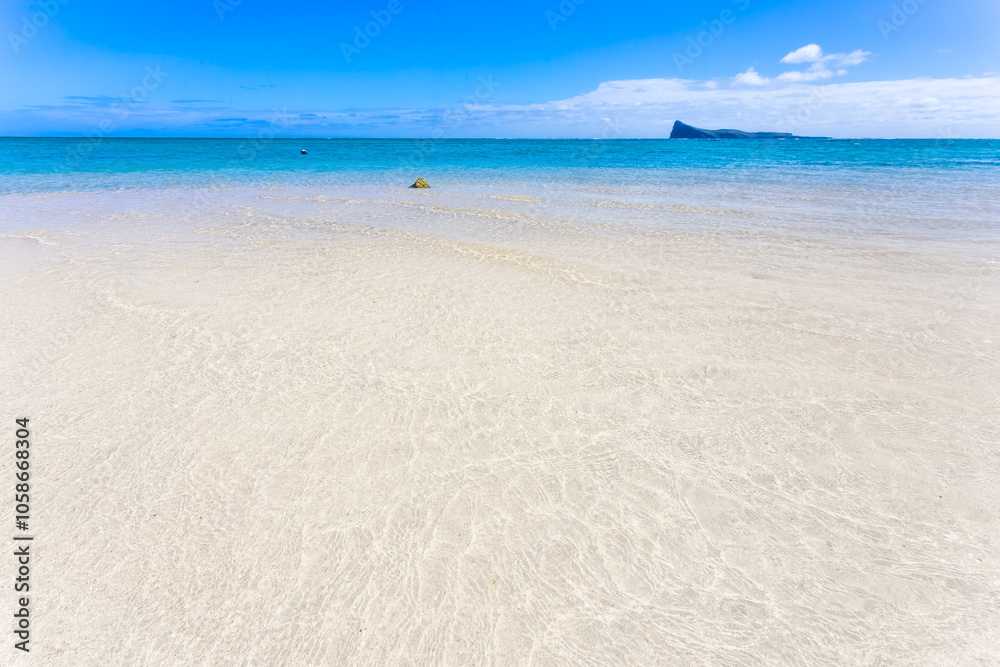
(683, 131)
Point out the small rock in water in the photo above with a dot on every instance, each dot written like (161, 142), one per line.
(421, 183)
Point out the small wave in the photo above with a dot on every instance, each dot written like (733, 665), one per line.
(496, 214)
(603, 191)
(45, 237)
(517, 197)
(669, 207)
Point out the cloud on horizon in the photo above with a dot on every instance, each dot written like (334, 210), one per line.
(922, 107)
(913, 107)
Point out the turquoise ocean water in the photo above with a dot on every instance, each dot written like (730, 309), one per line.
(948, 188)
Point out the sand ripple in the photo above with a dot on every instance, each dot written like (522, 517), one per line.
(284, 441)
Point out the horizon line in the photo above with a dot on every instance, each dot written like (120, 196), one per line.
(437, 139)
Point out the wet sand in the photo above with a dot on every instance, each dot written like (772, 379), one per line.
(267, 440)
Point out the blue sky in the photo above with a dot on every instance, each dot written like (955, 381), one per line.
(551, 68)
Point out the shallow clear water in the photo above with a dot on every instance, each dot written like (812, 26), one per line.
(645, 402)
(928, 189)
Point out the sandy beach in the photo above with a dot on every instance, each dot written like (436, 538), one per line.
(273, 435)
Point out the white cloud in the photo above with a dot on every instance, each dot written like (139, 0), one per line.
(807, 54)
(817, 71)
(906, 108)
(853, 58)
(750, 78)
(633, 108)
(812, 74)
(812, 53)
